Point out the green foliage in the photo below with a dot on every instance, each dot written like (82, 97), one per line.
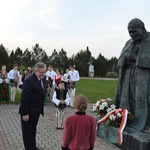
(81, 60)
(112, 64)
(112, 74)
(62, 55)
(12, 60)
(18, 56)
(27, 59)
(3, 56)
(102, 66)
(38, 54)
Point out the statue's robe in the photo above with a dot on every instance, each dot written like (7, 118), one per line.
(133, 92)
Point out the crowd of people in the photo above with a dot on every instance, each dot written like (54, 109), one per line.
(10, 81)
(45, 83)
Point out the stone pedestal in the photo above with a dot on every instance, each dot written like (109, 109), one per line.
(91, 74)
(132, 139)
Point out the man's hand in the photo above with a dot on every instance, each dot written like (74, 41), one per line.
(70, 81)
(62, 101)
(25, 118)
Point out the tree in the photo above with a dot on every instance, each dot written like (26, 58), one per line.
(100, 65)
(12, 59)
(112, 70)
(38, 54)
(18, 55)
(54, 59)
(81, 60)
(83, 57)
(63, 59)
(112, 64)
(59, 59)
(26, 60)
(3, 56)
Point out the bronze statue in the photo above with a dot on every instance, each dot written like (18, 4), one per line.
(133, 90)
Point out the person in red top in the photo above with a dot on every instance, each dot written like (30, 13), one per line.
(79, 128)
(4, 86)
(57, 78)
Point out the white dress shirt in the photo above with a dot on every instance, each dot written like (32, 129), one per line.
(74, 75)
(12, 74)
(57, 101)
(51, 74)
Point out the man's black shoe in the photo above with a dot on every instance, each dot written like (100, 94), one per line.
(59, 128)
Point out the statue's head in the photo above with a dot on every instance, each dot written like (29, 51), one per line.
(136, 29)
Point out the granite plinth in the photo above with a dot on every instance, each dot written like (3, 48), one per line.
(132, 139)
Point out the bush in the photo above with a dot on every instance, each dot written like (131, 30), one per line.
(112, 74)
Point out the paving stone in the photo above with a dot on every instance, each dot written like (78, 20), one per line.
(48, 138)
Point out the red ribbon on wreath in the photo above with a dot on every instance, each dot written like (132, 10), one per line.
(122, 124)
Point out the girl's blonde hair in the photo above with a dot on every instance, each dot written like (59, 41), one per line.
(81, 102)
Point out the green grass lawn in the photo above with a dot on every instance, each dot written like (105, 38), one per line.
(17, 99)
(97, 89)
(93, 89)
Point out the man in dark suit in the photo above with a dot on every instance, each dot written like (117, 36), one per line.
(32, 102)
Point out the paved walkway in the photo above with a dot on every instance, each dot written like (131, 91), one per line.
(48, 138)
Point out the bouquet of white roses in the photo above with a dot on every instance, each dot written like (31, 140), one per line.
(103, 105)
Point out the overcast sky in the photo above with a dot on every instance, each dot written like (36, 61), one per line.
(70, 24)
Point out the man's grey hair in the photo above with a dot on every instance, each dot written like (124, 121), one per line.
(39, 65)
(137, 22)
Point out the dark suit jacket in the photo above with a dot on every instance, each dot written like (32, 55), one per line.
(32, 97)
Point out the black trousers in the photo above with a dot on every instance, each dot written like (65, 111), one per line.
(29, 133)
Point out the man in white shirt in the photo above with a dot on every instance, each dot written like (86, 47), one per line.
(50, 75)
(15, 79)
(74, 77)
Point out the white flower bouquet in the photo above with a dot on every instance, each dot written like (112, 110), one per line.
(116, 117)
(103, 106)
